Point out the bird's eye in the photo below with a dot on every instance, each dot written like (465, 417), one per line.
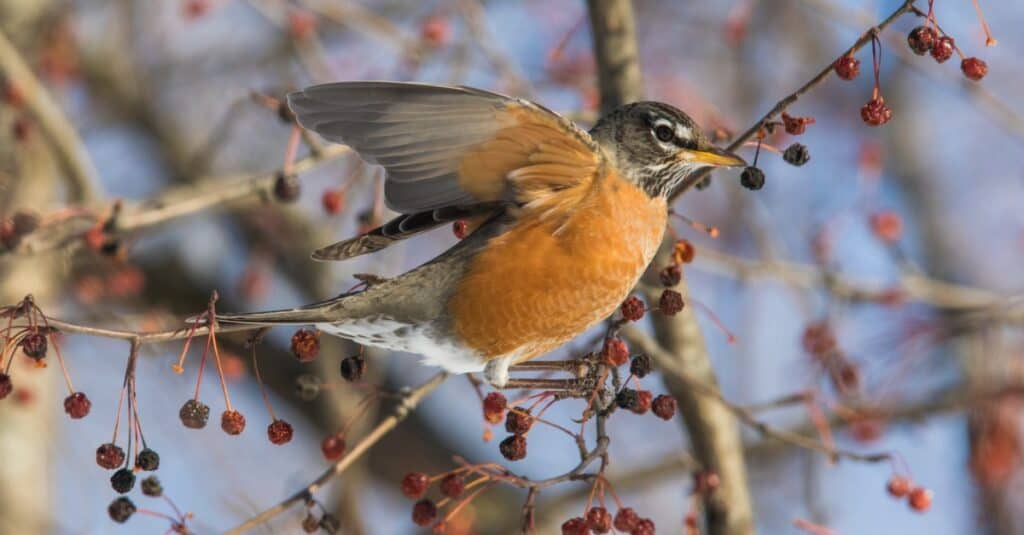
(664, 133)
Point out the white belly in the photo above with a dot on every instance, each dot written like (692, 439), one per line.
(386, 333)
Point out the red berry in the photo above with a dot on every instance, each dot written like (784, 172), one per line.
(232, 422)
(875, 112)
(847, 67)
(452, 485)
(306, 344)
(513, 448)
(12, 94)
(424, 512)
(518, 421)
(194, 414)
(664, 407)
(644, 399)
(706, 481)
(109, 456)
(34, 346)
(333, 201)
(632, 308)
(415, 484)
(599, 520)
(922, 39)
(644, 527)
(974, 68)
(615, 352)
(301, 24)
(943, 48)
(77, 405)
(435, 30)
(920, 499)
(626, 519)
(460, 228)
(6, 386)
(193, 9)
(333, 447)
(898, 486)
(494, 407)
(575, 526)
(95, 239)
(795, 125)
(818, 339)
(671, 302)
(683, 252)
(279, 432)
(887, 226)
(671, 275)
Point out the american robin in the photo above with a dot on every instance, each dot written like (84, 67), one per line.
(564, 221)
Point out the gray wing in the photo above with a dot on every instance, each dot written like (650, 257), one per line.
(417, 132)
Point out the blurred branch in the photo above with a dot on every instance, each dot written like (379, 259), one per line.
(906, 7)
(408, 404)
(174, 203)
(476, 22)
(70, 149)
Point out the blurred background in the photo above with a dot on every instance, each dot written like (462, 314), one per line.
(903, 239)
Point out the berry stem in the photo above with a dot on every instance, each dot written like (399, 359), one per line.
(710, 230)
(465, 501)
(263, 387)
(290, 150)
(202, 364)
(60, 360)
(180, 366)
(989, 39)
(220, 368)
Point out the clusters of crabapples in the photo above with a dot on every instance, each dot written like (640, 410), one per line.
(796, 154)
(925, 39)
(34, 338)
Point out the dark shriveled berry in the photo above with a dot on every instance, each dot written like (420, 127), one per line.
(121, 509)
(752, 178)
(452, 485)
(626, 519)
(34, 346)
(147, 460)
(353, 368)
(109, 456)
(518, 421)
(575, 526)
(671, 275)
(232, 422)
(796, 154)
(627, 398)
(414, 484)
(664, 407)
(847, 67)
(632, 309)
(640, 366)
(77, 405)
(310, 524)
(424, 512)
(974, 68)
(123, 480)
(671, 302)
(599, 520)
(943, 49)
(151, 487)
(287, 188)
(330, 523)
(921, 40)
(194, 414)
(513, 448)
(6, 386)
(279, 432)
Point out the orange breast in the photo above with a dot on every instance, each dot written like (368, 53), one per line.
(547, 279)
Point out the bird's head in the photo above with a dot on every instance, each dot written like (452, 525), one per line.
(656, 146)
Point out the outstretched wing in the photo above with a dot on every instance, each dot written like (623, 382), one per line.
(451, 146)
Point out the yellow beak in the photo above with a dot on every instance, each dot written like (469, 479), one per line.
(713, 157)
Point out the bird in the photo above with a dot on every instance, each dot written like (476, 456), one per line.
(561, 222)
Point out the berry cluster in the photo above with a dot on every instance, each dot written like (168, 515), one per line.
(918, 498)
(930, 39)
(452, 486)
(597, 519)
